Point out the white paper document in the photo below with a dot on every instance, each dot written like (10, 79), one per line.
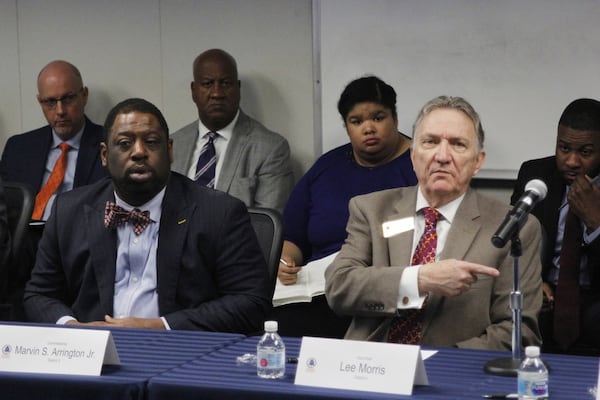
(311, 283)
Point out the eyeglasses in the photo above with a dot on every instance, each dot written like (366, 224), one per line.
(66, 100)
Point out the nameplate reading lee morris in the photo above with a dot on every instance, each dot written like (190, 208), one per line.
(56, 350)
(358, 365)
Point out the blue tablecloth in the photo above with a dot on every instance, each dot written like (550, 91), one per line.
(143, 354)
(453, 374)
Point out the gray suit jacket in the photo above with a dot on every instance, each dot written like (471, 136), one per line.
(361, 283)
(257, 167)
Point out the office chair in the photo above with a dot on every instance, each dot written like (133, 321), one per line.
(19, 206)
(268, 225)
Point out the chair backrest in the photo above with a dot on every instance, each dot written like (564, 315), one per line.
(268, 225)
(19, 206)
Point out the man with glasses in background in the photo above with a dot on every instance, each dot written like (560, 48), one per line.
(56, 158)
(69, 144)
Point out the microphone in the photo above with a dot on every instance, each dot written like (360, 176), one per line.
(535, 191)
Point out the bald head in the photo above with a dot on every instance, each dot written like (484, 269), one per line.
(63, 97)
(216, 88)
(60, 67)
(215, 56)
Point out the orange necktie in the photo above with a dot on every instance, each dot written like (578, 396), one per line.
(54, 181)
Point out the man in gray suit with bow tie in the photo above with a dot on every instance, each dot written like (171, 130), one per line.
(459, 295)
(252, 162)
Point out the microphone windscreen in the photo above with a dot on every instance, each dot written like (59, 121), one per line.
(538, 186)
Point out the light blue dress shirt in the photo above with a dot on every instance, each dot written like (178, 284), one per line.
(135, 276)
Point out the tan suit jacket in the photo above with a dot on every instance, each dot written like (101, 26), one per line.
(361, 283)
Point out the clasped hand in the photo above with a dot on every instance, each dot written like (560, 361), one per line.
(583, 198)
(129, 322)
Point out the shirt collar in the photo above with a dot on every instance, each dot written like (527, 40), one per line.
(154, 205)
(448, 211)
(225, 133)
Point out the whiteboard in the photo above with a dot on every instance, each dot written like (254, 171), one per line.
(518, 62)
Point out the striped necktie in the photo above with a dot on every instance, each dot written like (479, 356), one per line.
(406, 326)
(207, 163)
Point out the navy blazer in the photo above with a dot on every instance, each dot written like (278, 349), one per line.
(547, 211)
(24, 157)
(211, 274)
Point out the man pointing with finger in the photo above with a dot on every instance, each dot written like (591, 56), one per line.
(418, 265)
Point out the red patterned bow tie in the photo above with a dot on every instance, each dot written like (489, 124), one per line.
(115, 215)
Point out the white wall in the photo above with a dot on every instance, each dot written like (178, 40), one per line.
(145, 48)
(519, 62)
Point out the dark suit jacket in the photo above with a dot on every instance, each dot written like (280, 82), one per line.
(24, 157)
(364, 278)
(547, 211)
(211, 274)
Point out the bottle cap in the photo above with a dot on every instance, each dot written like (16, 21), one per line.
(532, 351)
(271, 326)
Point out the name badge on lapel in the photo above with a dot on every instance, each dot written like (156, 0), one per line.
(397, 226)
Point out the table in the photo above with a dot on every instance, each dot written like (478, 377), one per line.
(453, 374)
(143, 354)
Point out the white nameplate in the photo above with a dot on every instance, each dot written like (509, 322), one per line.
(397, 226)
(356, 365)
(56, 350)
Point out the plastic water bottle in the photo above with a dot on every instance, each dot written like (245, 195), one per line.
(270, 353)
(533, 376)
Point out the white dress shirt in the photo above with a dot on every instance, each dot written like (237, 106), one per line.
(221, 143)
(409, 296)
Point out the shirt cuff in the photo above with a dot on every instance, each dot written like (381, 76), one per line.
(408, 292)
(65, 319)
(164, 320)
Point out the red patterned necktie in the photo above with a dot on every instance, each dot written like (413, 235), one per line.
(207, 163)
(566, 304)
(406, 326)
(56, 177)
(115, 215)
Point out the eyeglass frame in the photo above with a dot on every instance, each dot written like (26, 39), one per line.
(66, 100)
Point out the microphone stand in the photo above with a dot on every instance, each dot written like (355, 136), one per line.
(510, 366)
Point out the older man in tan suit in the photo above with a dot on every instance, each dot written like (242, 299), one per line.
(418, 265)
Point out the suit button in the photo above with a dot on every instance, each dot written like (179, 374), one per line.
(405, 300)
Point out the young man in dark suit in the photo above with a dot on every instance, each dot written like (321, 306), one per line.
(148, 247)
(573, 189)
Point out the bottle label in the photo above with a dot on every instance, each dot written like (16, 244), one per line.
(271, 359)
(535, 388)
